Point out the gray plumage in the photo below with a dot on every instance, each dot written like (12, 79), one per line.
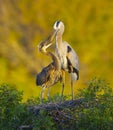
(65, 52)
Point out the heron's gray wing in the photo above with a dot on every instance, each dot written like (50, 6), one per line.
(72, 56)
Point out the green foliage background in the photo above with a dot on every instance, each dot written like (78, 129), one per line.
(93, 109)
(24, 23)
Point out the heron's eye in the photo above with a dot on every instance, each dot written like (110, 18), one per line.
(57, 24)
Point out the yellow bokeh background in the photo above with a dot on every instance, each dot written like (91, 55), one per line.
(24, 23)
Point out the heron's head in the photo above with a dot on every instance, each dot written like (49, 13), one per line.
(43, 46)
(59, 27)
(47, 42)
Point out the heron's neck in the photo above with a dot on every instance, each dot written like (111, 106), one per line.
(58, 40)
(55, 60)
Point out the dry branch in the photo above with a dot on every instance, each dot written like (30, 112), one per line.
(57, 106)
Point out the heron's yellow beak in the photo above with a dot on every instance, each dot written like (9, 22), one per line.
(47, 42)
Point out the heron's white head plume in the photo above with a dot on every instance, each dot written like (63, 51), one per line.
(59, 25)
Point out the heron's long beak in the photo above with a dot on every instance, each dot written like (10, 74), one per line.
(47, 42)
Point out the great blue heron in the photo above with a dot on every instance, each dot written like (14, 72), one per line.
(66, 54)
(50, 74)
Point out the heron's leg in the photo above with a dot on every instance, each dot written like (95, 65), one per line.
(48, 93)
(63, 82)
(42, 93)
(72, 89)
